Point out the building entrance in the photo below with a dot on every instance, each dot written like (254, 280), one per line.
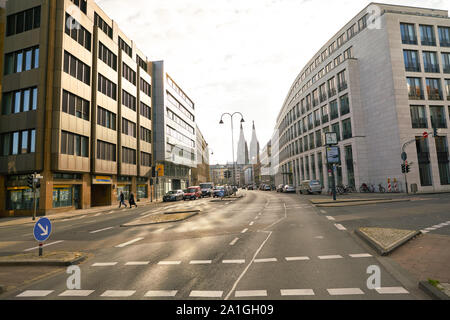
(100, 195)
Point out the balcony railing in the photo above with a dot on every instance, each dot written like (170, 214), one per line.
(435, 96)
(342, 86)
(439, 124)
(325, 119)
(319, 142)
(345, 109)
(346, 135)
(332, 93)
(428, 42)
(446, 69)
(445, 43)
(413, 67)
(409, 41)
(419, 124)
(416, 96)
(310, 126)
(323, 97)
(315, 102)
(317, 123)
(434, 68)
(334, 115)
(308, 106)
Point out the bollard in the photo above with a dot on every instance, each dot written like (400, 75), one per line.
(40, 249)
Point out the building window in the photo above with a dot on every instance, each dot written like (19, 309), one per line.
(107, 56)
(74, 144)
(318, 139)
(19, 101)
(443, 159)
(78, 33)
(430, 63)
(335, 128)
(62, 197)
(446, 62)
(311, 141)
(141, 63)
(362, 23)
(331, 87)
(125, 47)
(342, 83)
(437, 116)
(408, 32)
(22, 60)
(310, 122)
(76, 68)
(317, 118)
(145, 111)
(346, 129)
(444, 36)
(418, 117)
(411, 58)
(106, 118)
(325, 116)
(334, 113)
(415, 89)
(345, 105)
(128, 155)
(315, 97)
(106, 151)
(23, 21)
(146, 159)
(434, 89)
(128, 74)
(19, 142)
(128, 100)
(75, 105)
(107, 87)
(423, 156)
(174, 102)
(128, 128)
(427, 35)
(146, 135)
(447, 88)
(82, 4)
(102, 25)
(348, 54)
(349, 162)
(146, 88)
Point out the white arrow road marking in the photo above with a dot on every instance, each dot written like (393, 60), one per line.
(45, 231)
(45, 245)
(128, 243)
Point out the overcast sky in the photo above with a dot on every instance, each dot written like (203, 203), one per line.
(236, 55)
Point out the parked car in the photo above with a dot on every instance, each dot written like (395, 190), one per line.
(250, 187)
(267, 188)
(174, 195)
(280, 188)
(289, 189)
(219, 192)
(192, 193)
(207, 189)
(310, 186)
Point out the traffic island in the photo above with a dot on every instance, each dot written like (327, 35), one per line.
(436, 290)
(162, 218)
(56, 258)
(352, 202)
(386, 240)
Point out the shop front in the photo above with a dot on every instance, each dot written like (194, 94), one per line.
(101, 191)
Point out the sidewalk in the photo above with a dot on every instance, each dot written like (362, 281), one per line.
(7, 222)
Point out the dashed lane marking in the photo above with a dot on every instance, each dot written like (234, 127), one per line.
(340, 227)
(200, 262)
(238, 261)
(104, 264)
(250, 293)
(323, 211)
(76, 293)
(297, 292)
(129, 242)
(169, 262)
(330, 257)
(45, 245)
(266, 260)
(331, 218)
(245, 230)
(137, 263)
(360, 255)
(251, 223)
(345, 291)
(96, 215)
(392, 290)
(161, 293)
(205, 294)
(34, 293)
(296, 258)
(100, 230)
(232, 243)
(118, 293)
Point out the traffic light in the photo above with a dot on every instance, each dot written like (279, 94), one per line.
(403, 168)
(30, 181)
(407, 168)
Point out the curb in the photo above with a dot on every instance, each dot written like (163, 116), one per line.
(381, 250)
(152, 223)
(358, 203)
(353, 200)
(432, 291)
(48, 263)
(187, 211)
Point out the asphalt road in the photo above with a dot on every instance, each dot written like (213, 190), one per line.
(263, 246)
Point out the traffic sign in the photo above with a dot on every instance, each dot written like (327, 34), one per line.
(425, 135)
(42, 229)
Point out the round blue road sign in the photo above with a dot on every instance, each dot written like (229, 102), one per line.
(42, 229)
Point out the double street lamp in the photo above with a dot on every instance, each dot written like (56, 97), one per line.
(232, 137)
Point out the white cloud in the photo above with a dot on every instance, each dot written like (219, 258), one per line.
(234, 55)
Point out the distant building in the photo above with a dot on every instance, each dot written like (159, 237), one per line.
(201, 173)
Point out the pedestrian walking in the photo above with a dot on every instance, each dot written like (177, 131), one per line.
(122, 200)
(131, 201)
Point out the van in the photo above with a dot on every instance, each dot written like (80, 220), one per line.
(310, 186)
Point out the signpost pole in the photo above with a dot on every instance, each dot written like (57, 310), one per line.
(40, 249)
(34, 196)
(334, 182)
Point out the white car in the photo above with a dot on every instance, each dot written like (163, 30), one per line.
(289, 188)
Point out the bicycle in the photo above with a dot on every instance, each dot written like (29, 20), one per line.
(381, 189)
(364, 188)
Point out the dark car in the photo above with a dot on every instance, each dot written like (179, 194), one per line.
(207, 189)
(192, 193)
(174, 195)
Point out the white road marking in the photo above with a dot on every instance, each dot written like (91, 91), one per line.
(96, 231)
(45, 245)
(430, 229)
(318, 237)
(234, 261)
(424, 231)
(251, 223)
(245, 230)
(232, 243)
(297, 292)
(200, 262)
(161, 293)
(118, 293)
(330, 257)
(392, 290)
(104, 264)
(206, 294)
(169, 262)
(137, 263)
(340, 226)
(296, 258)
(98, 214)
(34, 293)
(266, 260)
(323, 211)
(76, 293)
(129, 242)
(250, 293)
(344, 291)
(360, 255)
(331, 218)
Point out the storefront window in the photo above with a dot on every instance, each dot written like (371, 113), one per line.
(62, 197)
(21, 199)
(126, 191)
(142, 191)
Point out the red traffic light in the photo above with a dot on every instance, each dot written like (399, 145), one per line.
(425, 135)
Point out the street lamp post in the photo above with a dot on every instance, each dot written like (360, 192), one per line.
(232, 138)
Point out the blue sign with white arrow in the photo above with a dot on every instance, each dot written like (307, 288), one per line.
(42, 229)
